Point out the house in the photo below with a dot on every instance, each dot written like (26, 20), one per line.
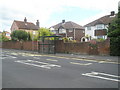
(98, 29)
(68, 29)
(7, 34)
(25, 26)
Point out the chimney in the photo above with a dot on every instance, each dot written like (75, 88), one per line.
(25, 20)
(63, 21)
(112, 13)
(37, 23)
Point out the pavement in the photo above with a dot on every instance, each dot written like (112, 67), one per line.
(80, 56)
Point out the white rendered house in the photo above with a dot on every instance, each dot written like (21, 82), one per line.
(98, 28)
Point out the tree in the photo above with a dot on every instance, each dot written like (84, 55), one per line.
(44, 32)
(114, 34)
(19, 35)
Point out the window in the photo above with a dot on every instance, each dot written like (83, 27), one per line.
(70, 30)
(100, 26)
(88, 28)
(62, 30)
(7, 34)
(70, 38)
(100, 37)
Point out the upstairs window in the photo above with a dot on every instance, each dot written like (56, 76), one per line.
(70, 30)
(62, 30)
(100, 26)
(88, 28)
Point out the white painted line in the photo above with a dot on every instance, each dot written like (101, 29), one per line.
(81, 63)
(13, 57)
(107, 74)
(101, 77)
(97, 75)
(35, 65)
(44, 65)
(36, 58)
(8, 56)
(52, 60)
(14, 53)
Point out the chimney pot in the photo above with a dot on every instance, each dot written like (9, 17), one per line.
(25, 20)
(112, 13)
(37, 23)
(63, 21)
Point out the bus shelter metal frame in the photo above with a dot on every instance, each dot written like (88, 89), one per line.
(50, 44)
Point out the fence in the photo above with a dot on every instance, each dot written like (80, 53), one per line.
(100, 48)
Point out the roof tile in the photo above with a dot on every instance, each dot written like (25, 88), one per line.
(26, 25)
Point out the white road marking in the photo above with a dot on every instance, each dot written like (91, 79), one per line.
(107, 74)
(44, 65)
(85, 64)
(8, 56)
(52, 60)
(14, 53)
(97, 75)
(36, 57)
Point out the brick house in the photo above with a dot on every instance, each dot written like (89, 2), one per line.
(68, 29)
(98, 29)
(25, 26)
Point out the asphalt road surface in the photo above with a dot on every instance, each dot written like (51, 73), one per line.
(26, 70)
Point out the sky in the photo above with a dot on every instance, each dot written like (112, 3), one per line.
(51, 12)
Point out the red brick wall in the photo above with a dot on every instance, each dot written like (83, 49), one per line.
(103, 48)
(11, 45)
(27, 45)
(60, 47)
(81, 48)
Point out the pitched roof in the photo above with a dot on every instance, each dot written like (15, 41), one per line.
(26, 25)
(103, 20)
(68, 25)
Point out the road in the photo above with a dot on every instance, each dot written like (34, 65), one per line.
(26, 70)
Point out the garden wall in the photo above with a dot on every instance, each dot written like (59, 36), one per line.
(99, 48)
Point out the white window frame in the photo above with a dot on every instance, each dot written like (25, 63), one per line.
(89, 28)
(70, 30)
(7, 34)
(62, 30)
(100, 26)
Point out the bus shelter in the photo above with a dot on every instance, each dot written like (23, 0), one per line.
(46, 44)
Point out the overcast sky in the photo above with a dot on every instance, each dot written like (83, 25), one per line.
(51, 12)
